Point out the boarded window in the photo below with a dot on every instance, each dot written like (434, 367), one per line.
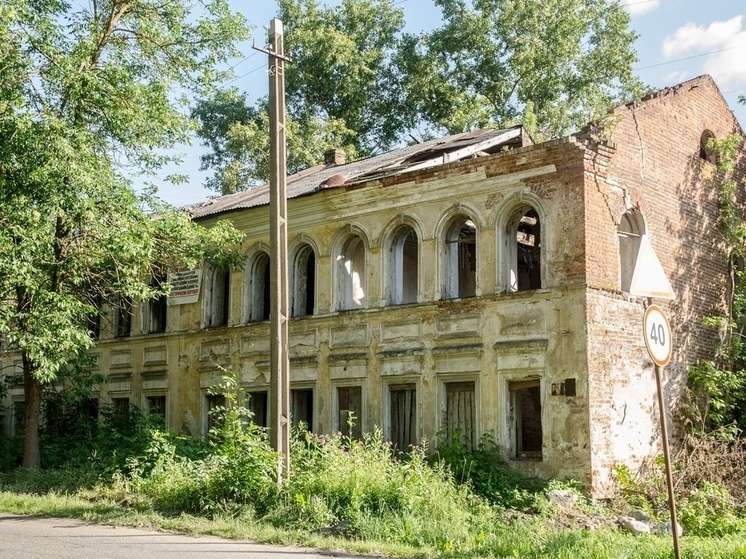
(218, 298)
(301, 407)
(403, 416)
(351, 275)
(120, 406)
(124, 317)
(403, 266)
(461, 259)
(259, 289)
(156, 309)
(304, 282)
(460, 413)
(257, 405)
(350, 406)
(156, 406)
(525, 403)
(214, 409)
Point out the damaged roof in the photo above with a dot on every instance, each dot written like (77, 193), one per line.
(402, 160)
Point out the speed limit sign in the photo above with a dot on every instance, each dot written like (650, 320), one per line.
(657, 334)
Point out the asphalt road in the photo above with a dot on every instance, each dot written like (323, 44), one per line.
(28, 537)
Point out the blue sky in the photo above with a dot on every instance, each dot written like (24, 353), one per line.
(678, 40)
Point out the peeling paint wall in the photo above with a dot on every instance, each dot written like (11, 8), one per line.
(572, 350)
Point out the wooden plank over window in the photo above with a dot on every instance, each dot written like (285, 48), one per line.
(460, 420)
(403, 416)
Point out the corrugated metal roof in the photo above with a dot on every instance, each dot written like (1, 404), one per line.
(401, 160)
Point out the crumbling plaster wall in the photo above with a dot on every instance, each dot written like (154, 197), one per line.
(490, 339)
(652, 164)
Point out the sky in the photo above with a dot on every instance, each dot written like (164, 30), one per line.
(678, 40)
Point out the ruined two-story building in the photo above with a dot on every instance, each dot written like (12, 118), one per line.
(475, 284)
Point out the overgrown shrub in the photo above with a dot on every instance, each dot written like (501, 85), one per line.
(366, 489)
(485, 471)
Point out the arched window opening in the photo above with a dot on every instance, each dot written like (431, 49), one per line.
(527, 267)
(461, 259)
(218, 294)
(630, 231)
(304, 282)
(403, 267)
(706, 152)
(259, 289)
(351, 274)
(155, 320)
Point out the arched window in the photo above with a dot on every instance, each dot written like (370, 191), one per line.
(705, 150)
(217, 298)
(524, 230)
(630, 231)
(460, 259)
(156, 308)
(257, 289)
(403, 267)
(304, 282)
(351, 281)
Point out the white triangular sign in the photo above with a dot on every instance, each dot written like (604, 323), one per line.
(649, 279)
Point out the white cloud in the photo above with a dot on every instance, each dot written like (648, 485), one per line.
(676, 77)
(640, 7)
(727, 67)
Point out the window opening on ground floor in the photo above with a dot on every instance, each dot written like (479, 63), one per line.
(301, 407)
(460, 413)
(403, 416)
(155, 406)
(350, 411)
(525, 405)
(257, 405)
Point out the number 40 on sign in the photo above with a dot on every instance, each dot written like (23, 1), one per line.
(657, 334)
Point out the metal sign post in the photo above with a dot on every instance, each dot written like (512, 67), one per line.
(657, 333)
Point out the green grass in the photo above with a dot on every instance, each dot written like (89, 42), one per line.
(458, 503)
(524, 539)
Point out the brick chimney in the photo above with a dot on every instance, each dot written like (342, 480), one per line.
(335, 157)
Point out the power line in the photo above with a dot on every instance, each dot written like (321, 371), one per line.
(689, 57)
(244, 75)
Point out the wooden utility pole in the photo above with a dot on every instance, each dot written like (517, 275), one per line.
(279, 362)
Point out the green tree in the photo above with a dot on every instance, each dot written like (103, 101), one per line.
(358, 82)
(555, 63)
(342, 90)
(83, 92)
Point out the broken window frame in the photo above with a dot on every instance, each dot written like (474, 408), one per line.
(461, 258)
(217, 298)
(524, 251)
(303, 289)
(351, 268)
(403, 270)
(521, 419)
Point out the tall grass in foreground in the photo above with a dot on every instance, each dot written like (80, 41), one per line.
(363, 492)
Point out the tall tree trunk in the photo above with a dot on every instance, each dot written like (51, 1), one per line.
(32, 394)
